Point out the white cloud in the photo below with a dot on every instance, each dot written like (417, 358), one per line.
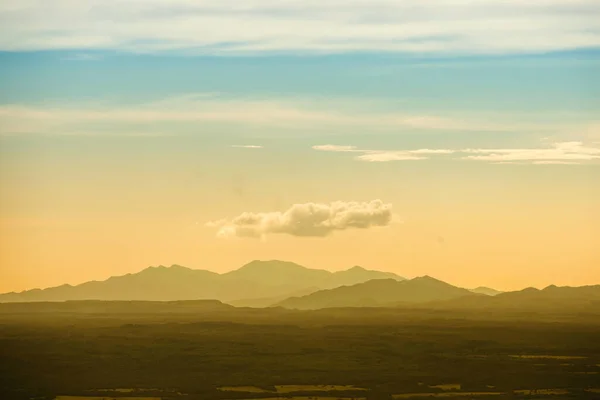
(385, 156)
(247, 146)
(558, 153)
(432, 151)
(308, 220)
(382, 155)
(562, 151)
(233, 26)
(336, 148)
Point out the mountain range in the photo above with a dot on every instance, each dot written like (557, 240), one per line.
(288, 285)
(555, 298)
(258, 283)
(430, 293)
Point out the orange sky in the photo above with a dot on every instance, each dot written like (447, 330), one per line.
(507, 227)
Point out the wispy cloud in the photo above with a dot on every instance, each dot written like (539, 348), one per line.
(308, 220)
(230, 26)
(194, 109)
(247, 146)
(557, 153)
(336, 148)
(383, 155)
(432, 151)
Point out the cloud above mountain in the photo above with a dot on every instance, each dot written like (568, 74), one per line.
(307, 220)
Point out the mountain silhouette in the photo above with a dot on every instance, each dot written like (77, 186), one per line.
(532, 299)
(289, 285)
(278, 273)
(268, 280)
(379, 292)
(358, 274)
(486, 290)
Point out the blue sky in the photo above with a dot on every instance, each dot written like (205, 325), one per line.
(541, 95)
(562, 80)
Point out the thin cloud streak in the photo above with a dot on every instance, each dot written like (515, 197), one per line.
(563, 151)
(209, 108)
(336, 148)
(311, 26)
(385, 156)
(573, 152)
(382, 155)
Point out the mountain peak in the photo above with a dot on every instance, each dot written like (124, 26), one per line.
(356, 268)
(162, 268)
(270, 264)
(427, 278)
(386, 292)
(358, 274)
(486, 290)
(279, 273)
(530, 289)
(177, 267)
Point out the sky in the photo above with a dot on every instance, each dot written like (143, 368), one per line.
(453, 138)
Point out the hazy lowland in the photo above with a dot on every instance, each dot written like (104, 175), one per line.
(274, 329)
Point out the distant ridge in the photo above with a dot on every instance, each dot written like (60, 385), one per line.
(379, 292)
(550, 298)
(429, 293)
(486, 290)
(272, 279)
(285, 284)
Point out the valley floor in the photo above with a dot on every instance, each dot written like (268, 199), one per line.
(271, 354)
